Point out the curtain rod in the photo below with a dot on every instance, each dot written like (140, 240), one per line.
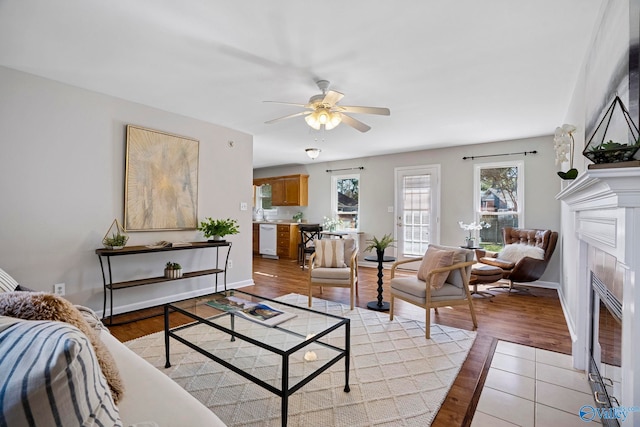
(495, 155)
(345, 169)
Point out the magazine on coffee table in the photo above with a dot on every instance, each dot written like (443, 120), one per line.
(256, 311)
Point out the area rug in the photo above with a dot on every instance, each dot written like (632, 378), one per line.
(397, 376)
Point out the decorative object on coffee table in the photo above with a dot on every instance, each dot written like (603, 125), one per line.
(216, 229)
(615, 141)
(116, 238)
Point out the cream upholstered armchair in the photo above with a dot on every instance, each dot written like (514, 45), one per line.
(334, 264)
(442, 280)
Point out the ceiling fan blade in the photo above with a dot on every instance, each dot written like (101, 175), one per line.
(364, 110)
(302, 113)
(288, 103)
(332, 97)
(354, 123)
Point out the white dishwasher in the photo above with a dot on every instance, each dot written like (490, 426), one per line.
(269, 240)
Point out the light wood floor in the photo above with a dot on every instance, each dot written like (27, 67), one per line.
(534, 319)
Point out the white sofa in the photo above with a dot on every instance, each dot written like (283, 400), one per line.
(152, 396)
(58, 376)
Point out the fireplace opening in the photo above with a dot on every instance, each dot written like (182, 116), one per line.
(605, 347)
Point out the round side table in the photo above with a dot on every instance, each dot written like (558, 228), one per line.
(379, 305)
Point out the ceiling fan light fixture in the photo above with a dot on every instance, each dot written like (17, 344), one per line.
(335, 119)
(312, 120)
(313, 153)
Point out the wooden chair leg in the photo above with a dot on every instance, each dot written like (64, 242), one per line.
(427, 323)
(391, 301)
(473, 314)
(309, 294)
(351, 296)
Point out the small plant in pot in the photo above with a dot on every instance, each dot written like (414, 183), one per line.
(115, 241)
(173, 270)
(379, 244)
(216, 229)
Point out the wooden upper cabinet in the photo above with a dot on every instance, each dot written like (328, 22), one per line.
(290, 190)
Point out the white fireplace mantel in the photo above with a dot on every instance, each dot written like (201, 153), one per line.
(603, 188)
(604, 212)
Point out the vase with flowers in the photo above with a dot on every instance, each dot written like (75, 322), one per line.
(331, 224)
(564, 144)
(470, 241)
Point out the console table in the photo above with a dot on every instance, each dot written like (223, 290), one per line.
(111, 286)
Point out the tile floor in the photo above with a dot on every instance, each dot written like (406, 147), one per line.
(531, 387)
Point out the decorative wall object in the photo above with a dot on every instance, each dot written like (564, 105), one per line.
(161, 181)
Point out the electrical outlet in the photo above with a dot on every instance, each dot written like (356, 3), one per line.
(230, 263)
(58, 289)
(243, 206)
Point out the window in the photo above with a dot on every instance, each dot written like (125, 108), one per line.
(345, 199)
(499, 200)
(263, 194)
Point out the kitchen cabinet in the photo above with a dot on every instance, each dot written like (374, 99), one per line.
(256, 239)
(288, 241)
(289, 190)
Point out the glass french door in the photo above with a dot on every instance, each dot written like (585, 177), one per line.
(417, 209)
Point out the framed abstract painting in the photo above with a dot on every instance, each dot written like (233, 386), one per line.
(161, 181)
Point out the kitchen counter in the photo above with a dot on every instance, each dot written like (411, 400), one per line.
(279, 221)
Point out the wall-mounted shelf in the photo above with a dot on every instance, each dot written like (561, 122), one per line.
(111, 286)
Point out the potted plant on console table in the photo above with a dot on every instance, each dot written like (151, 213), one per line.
(216, 229)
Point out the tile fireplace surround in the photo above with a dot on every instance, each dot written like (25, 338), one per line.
(601, 215)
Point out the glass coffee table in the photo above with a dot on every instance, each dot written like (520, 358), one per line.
(281, 358)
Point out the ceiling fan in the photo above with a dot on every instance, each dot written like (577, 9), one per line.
(324, 111)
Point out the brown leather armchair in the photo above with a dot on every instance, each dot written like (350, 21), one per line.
(527, 269)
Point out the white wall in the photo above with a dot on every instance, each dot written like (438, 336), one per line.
(377, 187)
(62, 180)
(602, 74)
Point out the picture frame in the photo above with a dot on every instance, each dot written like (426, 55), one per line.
(161, 181)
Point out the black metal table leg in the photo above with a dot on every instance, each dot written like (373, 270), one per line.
(166, 336)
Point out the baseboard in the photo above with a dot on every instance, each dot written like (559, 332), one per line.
(171, 298)
(540, 284)
(567, 317)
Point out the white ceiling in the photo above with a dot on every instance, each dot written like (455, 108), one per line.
(452, 72)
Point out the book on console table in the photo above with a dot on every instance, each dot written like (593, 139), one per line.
(165, 244)
(256, 311)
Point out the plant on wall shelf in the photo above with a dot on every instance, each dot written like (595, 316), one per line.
(218, 228)
(115, 241)
(173, 270)
(115, 238)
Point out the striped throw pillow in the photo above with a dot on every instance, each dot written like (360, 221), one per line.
(52, 377)
(330, 253)
(7, 283)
